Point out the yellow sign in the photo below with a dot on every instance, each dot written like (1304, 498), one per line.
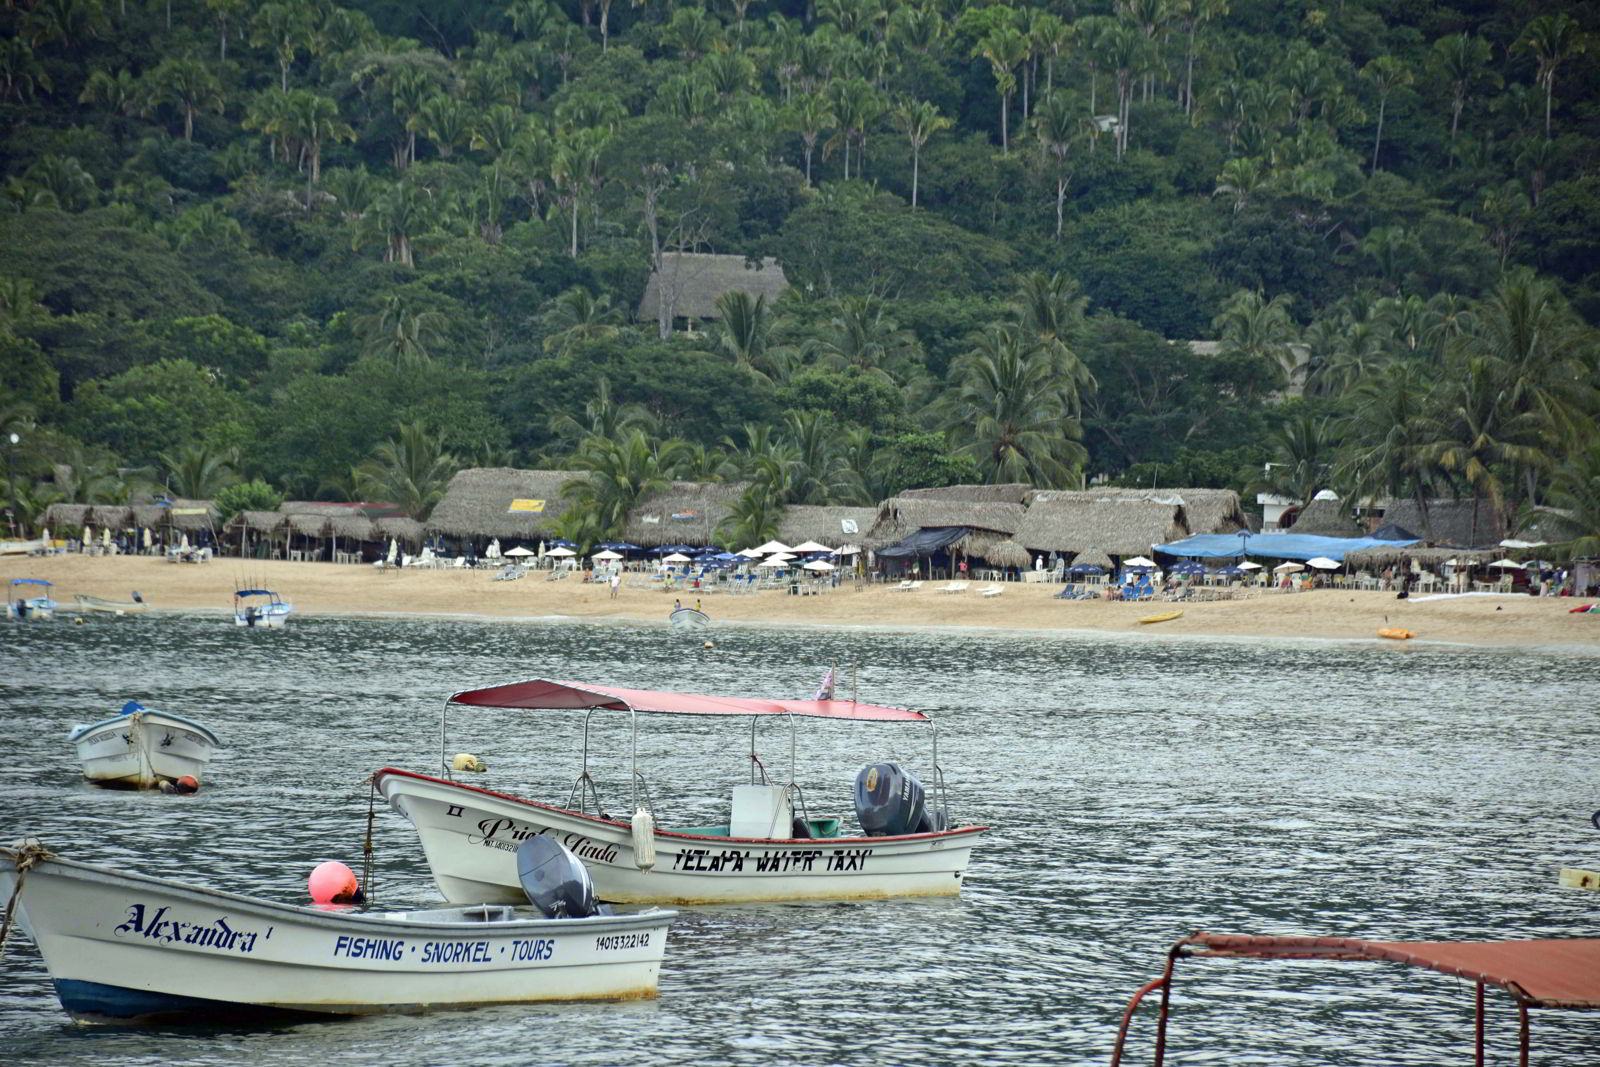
(525, 505)
(189, 511)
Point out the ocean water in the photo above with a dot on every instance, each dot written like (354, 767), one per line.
(1138, 789)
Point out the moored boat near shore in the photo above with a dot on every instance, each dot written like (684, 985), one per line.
(123, 947)
(769, 849)
(141, 748)
(249, 609)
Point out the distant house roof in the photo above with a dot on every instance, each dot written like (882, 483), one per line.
(691, 282)
(685, 513)
(1327, 518)
(500, 502)
(1075, 522)
(1008, 493)
(902, 515)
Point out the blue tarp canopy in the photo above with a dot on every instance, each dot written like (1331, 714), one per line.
(1275, 546)
(925, 542)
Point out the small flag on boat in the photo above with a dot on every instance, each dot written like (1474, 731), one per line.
(825, 690)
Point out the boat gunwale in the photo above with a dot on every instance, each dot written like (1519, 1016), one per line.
(958, 831)
(79, 732)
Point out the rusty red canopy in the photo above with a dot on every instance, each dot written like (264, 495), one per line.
(544, 694)
(1549, 973)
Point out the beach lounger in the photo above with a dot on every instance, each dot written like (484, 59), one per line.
(953, 587)
(904, 587)
(993, 590)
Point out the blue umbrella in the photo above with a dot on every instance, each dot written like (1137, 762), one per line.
(561, 542)
(1086, 568)
(1188, 566)
(625, 546)
(1231, 569)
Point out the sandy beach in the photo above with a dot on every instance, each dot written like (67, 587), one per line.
(333, 589)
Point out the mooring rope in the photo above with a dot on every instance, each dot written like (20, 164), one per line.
(368, 858)
(24, 857)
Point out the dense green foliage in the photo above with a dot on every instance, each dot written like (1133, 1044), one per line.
(343, 249)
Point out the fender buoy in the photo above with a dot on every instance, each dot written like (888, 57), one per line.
(644, 840)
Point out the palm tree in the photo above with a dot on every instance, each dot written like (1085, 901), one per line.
(1059, 126)
(618, 473)
(447, 122)
(287, 28)
(604, 420)
(575, 172)
(1127, 52)
(1550, 39)
(1575, 490)
(1048, 308)
(1461, 61)
(1303, 451)
(396, 218)
(1010, 414)
(1005, 48)
(409, 470)
(1192, 13)
(1385, 433)
(809, 116)
(1386, 73)
(578, 315)
(861, 335)
(753, 518)
(197, 471)
(1241, 178)
(919, 120)
(187, 84)
(1250, 325)
(743, 327)
(313, 120)
(400, 334)
(856, 105)
(821, 475)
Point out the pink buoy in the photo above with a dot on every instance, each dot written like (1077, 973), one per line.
(333, 883)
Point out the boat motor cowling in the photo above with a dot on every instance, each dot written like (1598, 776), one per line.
(889, 800)
(556, 881)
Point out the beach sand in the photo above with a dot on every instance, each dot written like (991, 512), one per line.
(333, 589)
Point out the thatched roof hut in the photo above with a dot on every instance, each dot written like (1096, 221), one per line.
(1009, 493)
(1451, 522)
(485, 502)
(109, 516)
(192, 515)
(261, 522)
(826, 525)
(305, 524)
(66, 520)
(903, 515)
(1325, 517)
(685, 513)
(1096, 556)
(1211, 511)
(1006, 553)
(1116, 521)
(149, 516)
(402, 528)
(691, 283)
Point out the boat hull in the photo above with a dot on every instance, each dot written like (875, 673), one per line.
(142, 750)
(39, 607)
(470, 835)
(129, 948)
(110, 607)
(268, 617)
(689, 619)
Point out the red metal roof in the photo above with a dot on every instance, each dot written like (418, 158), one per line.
(545, 695)
(1550, 973)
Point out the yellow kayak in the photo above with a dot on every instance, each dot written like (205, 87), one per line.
(1395, 633)
(1161, 617)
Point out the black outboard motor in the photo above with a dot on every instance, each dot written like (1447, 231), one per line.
(888, 800)
(554, 879)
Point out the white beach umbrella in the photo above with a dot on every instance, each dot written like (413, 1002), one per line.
(818, 565)
(183, 545)
(751, 553)
(394, 552)
(144, 532)
(809, 546)
(1506, 565)
(607, 555)
(88, 535)
(773, 562)
(1248, 566)
(493, 551)
(1139, 561)
(1322, 563)
(847, 550)
(44, 535)
(519, 551)
(559, 551)
(1287, 568)
(781, 557)
(676, 557)
(105, 537)
(772, 546)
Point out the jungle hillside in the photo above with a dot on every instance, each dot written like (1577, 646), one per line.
(338, 251)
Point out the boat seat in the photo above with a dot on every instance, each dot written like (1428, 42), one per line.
(699, 831)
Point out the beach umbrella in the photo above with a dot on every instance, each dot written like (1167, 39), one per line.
(493, 551)
(751, 553)
(607, 555)
(394, 552)
(1506, 565)
(773, 561)
(561, 550)
(1086, 568)
(1231, 570)
(1288, 568)
(562, 542)
(105, 536)
(1188, 566)
(847, 550)
(770, 547)
(810, 546)
(783, 557)
(1140, 561)
(520, 551)
(183, 545)
(541, 550)
(625, 546)
(1322, 563)
(819, 565)
(676, 557)
(88, 534)
(144, 532)
(1248, 566)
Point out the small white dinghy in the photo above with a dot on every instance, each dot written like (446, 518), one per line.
(127, 948)
(140, 748)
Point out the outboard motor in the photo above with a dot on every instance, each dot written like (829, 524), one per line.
(889, 801)
(555, 880)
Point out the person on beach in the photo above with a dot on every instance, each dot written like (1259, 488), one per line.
(616, 583)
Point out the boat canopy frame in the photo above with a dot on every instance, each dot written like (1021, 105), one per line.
(1551, 973)
(542, 694)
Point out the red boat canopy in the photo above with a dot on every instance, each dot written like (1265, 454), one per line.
(1555, 973)
(546, 695)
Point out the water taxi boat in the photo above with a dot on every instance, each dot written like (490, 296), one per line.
(128, 948)
(688, 619)
(771, 847)
(250, 610)
(140, 748)
(23, 606)
(111, 607)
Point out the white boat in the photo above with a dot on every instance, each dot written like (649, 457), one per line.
(111, 607)
(688, 619)
(126, 947)
(23, 606)
(769, 849)
(250, 610)
(140, 748)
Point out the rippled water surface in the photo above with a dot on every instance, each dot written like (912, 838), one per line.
(1139, 789)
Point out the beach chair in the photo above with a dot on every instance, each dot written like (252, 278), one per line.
(992, 590)
(914, 587)
(953, 587)
(1068, 592)
(904, 587)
